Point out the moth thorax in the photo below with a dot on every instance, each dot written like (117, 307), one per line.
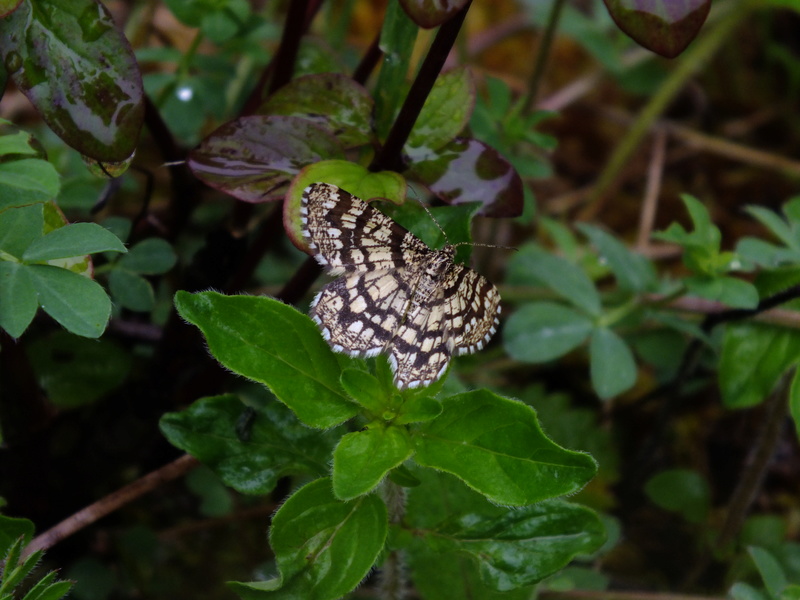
(430, 276)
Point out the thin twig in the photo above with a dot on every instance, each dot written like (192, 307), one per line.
(112, 502)
(389, 158)
(655, 170)
(608, 595)
(542, 55)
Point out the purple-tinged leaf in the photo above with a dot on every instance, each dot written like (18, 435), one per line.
(664, 26)
(467, 170)
(251, 157)
(79, 72)
(332, 101)
(430, 13)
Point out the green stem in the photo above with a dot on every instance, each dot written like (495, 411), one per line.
(393, 582)
(698, 54)
(527, 102)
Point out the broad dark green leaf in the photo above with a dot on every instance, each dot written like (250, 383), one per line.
(79, 71)
(523, 545)
(152, 256)
(633, 271)
(467, 547)
(753, 358)
(534, 266)
(131, 290)
(274, 344)
(251, 157)
(73, 240)
(74, 371)
(27, 181)
(446, 112)
(277, 445)
(79, 304)
(430, 13)
(18, 299)
(681, 490)
(542, 331)
(332, 101)
(666, 27)
(362, 459)
(323, 547)
(613, 367)
(467, 170)
(497, 447)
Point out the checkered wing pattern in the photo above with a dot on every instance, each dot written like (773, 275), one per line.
(395, 295)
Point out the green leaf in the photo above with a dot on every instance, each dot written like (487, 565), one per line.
(496, 446)
(152, 256)
(744, 591)
(16, 141)
(278, 445)
(274, 344)
(331, 100)
(681, 490)
(770, 570)
(612, 364)
(736, 293)
(27, 181)
(416, 409)
(794, 400)
(323, 547)
(365, 389)
(363, 458)
(520, 546)
(79, 304)
(633, 271)
(777, 226)
(74, 371)
(19, 227)
(73, 240)
(130, 290)
(78, 70)
(18, 299)
(542, 331)
(11, 529)
(446, 111)
(752, 361)
(48, 589)
(398, 35)
(534, 266)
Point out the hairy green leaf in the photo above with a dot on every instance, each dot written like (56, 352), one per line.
(277, 445)
(274, 344)
(496, 446)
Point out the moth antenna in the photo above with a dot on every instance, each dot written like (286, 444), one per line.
(430, 214)
(447, 239)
